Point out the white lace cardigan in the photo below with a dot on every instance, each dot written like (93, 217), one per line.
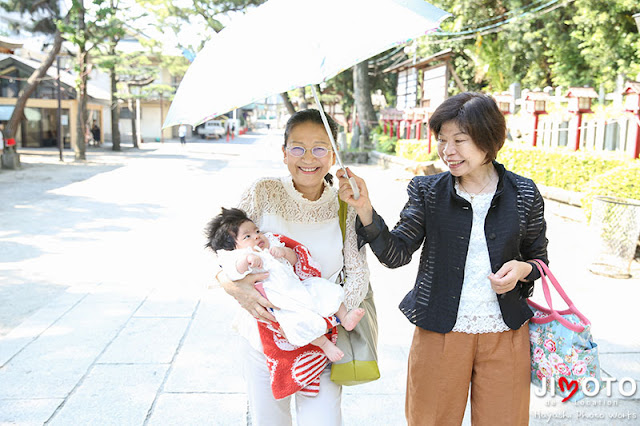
(276, 206)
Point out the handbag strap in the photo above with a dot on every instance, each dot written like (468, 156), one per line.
(342, 218)
(543, 267)
(554, 314)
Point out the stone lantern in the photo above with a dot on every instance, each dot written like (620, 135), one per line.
(631, 94)
(504, 101)
(580, 103)
(580, 99)
(536, 103)
(418, 119)
(407, 119)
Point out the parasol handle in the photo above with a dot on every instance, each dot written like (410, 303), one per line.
(352, 180)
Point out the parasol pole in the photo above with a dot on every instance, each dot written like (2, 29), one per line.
(352, 181)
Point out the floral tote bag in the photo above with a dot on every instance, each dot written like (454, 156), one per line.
(563, 353)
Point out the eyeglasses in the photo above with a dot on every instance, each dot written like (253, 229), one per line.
(316, 151)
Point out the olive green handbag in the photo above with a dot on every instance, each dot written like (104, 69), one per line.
(360, 346)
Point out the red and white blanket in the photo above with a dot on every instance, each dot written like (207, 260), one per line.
(293, 368)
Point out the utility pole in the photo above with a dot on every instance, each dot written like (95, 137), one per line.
(161, 119)
(60, 143)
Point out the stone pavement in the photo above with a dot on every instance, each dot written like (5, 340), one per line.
(107, 315)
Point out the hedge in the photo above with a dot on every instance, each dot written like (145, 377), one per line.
(588, 172)
(417, 150)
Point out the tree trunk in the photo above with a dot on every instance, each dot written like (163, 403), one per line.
(287, 102)
(303, 98)
(115, 109)
(32, 84)
(115, 113)
(362, 95)
(80, 147)
(134, 117)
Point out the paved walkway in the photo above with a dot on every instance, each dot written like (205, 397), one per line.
(107, 316)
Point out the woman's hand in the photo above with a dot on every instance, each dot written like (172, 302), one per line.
(363, 203)
(508, 276)
(247, 296)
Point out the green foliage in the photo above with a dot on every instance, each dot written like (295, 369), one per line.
(176, 65)
(558, 167)
(622, 181)
(342, 84)
(386, 144)
(157, 91)
(591, 173)
(538, 42)
(417, 150)
(43, 13)
(175, 14)
(608, 38)
(378, 130)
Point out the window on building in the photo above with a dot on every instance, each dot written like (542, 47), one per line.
(9, 87)
(125, 112)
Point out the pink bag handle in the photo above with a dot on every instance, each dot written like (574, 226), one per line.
(554, 315)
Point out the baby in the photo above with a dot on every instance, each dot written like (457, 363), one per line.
(306, 302)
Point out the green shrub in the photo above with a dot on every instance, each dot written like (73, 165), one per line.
(386, 144)
(623, 181)
(558, 167)
(378, 130)
(416, 150)
(589, 172)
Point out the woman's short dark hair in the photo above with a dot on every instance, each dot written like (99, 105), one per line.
(222, 230)
(313, 116)
(478, 116)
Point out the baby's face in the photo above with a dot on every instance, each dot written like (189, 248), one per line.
(250, 236)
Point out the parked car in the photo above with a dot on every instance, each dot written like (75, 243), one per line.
(212, 129)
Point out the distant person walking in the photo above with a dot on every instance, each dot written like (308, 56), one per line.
(95, 132)
(182, 133)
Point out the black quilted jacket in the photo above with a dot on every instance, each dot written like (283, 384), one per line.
(434, 214)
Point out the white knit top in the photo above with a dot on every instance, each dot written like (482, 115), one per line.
(479, 311)
(276, 206)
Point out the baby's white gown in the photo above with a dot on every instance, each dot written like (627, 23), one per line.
(303, 303)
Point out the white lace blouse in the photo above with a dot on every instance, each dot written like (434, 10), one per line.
(276, 206)
(479, 311)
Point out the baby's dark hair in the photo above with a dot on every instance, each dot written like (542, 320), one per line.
(222, 230)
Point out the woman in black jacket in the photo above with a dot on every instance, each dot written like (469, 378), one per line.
(479, 226)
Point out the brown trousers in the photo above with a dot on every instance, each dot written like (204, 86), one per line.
(441, 366)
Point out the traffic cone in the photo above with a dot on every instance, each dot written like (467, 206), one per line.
(227, 135)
